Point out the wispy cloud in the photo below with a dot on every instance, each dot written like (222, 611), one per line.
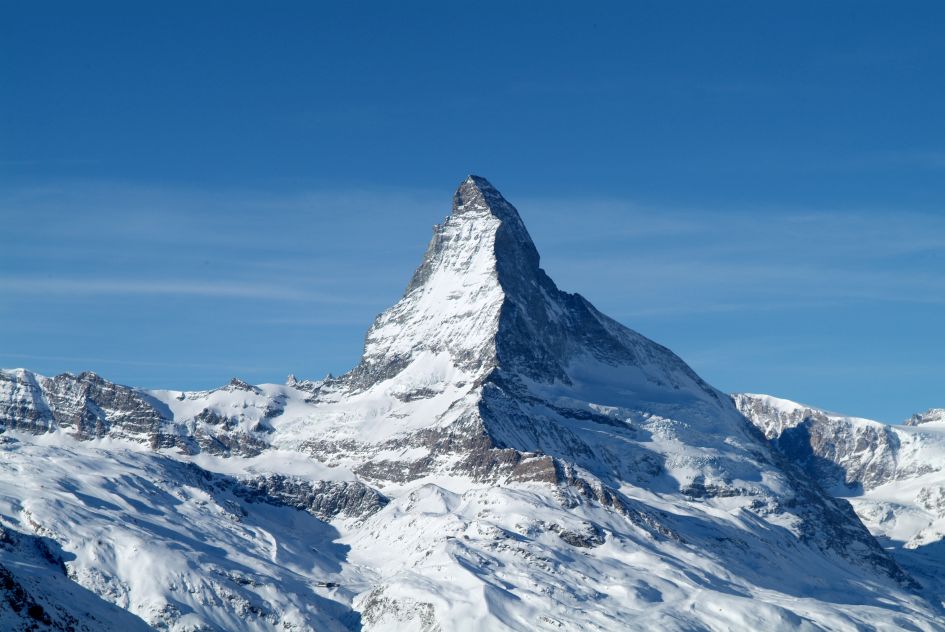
(298, 271)
(167, 287)
(289, 221)
(312, 322)
(76, 238)
(722, 307)
(90, 361)
(642, 261)
(315, 246)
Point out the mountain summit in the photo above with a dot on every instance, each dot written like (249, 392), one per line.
(481, 322)
(504, 456)
(480, 297)
(451, 305)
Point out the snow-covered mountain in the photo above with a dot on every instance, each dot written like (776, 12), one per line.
(503, 457)
(894, 475)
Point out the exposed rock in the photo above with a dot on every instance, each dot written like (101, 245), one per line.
(384, 612)
(90, 407)
(836, 449)
(323, 499)
(931, 416)
(587, 536)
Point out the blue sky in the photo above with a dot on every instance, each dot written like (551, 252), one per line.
(199, 190)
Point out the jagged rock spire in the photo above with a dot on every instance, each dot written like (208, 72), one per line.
(480, 214)
(454, 299)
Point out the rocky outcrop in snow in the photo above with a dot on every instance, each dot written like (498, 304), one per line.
(323, 499)
(229, 420)
(931, 416)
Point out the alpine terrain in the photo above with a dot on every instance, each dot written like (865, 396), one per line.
(503, 457)
(894, 475)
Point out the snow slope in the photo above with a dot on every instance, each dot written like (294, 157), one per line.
(503, 457)
(36, 592)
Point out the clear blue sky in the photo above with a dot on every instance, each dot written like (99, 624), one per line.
(192, 191)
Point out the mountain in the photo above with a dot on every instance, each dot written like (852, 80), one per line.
(503, 457)
(894, 475)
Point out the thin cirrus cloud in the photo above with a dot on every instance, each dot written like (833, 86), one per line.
(206, 289)
(646, 258)
(135, 240)
(683, 260)
(299, 275)
(694, 286)
(136, 363)
(102, 211)
(639, 260)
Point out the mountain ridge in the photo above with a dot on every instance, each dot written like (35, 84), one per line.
(893, 474)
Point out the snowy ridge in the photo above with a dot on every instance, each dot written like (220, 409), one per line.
(894, 475)
(931, 416)
(849, 452)
(504, 456)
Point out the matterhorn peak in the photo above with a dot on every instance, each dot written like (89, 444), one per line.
(482, 208)
(452, 305)
(480, 303)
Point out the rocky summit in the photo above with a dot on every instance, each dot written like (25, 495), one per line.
(503, 457)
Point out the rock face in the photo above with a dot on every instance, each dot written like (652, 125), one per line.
(859, 454)
(85, 405)
(839, 450)
(89, 407)
(504, 456)
(322, 499)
